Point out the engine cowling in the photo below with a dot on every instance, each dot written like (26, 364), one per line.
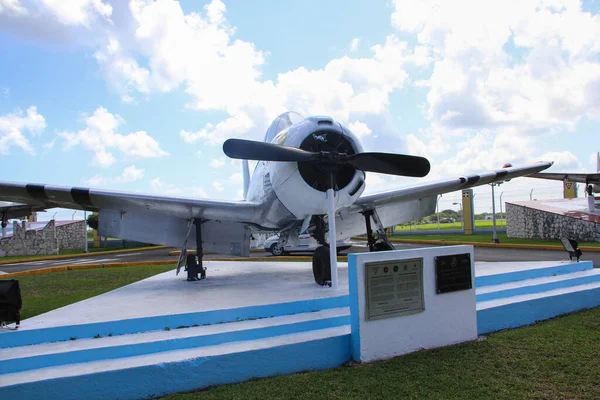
(310, 180)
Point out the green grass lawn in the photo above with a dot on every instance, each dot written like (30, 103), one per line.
(481, 224)
(487, 238)
(556, 359)
(45, 292)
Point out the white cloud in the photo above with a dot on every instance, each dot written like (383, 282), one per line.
(493, 75)
(100, 137)
(236, 178)
(434, 146)
(217, 162)
(354, 44)
(77, 12)
(479, 82)
(160, 187)
(61, 22)
(218, 186)
(14, 124)
(49, 145)
(155, 47)
(360, 129)
(129, 175)
(12, 7)
(66, 12)
(234, 126)
(422, 83)
(169, 189)
(94, 181)
(199, 53)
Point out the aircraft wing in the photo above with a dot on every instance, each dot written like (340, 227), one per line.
(9, 210)
(575, 177)
(148, 218)
(410, 203)
(95, 200)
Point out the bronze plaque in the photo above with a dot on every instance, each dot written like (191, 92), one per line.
(453, 273)
(393, 288)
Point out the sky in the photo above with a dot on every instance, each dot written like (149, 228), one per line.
(139, 95)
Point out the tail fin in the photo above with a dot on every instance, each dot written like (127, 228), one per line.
(246, 175)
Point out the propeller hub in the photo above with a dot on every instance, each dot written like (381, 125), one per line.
(333, 148)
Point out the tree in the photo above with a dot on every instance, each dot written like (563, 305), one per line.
(92, 221)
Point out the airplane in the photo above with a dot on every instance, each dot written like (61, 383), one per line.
(309, 176)
(591, 181)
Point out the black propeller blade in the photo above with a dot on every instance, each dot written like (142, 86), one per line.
(392, 164)
(384, 163)
(261, 151)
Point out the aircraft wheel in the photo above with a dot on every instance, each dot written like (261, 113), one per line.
(276, 250)
(321, 265)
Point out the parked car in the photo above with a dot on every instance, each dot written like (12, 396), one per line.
(447, 220)
(305, 244)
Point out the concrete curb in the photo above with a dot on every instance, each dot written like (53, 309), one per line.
(193, 252)
(65, 256)
(75, 267)
(497, 245)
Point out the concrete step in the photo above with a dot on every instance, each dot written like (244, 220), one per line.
(536, 285)
(31, 334)
(19, 359)
(511, 312)
(498, 273)
(158, 374)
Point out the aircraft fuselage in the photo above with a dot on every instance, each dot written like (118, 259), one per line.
(292, 191)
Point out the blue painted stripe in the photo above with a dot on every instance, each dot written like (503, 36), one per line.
(137, 325)
(354, 312)
(514, 276)
(541, 287)
(529, 311)
(131, 350)
(165, 378)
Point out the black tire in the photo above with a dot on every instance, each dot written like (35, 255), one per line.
(276, 250)
(321, 265)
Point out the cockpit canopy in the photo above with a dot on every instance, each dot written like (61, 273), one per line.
(282, 122)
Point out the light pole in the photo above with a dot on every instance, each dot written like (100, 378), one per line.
(462, 216)
(85, 238)
(494, 238)
(437, 212)
(501, 193)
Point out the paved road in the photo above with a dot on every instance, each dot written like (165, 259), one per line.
(481, 254)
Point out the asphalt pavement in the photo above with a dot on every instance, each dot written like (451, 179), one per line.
(488, 254)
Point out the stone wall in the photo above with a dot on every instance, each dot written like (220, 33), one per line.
(71, 236)
(30, 243)
(528, 223)
(46, 241)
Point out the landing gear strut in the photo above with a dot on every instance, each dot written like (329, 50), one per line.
(382, 243)
(194, 268)
(321, 262)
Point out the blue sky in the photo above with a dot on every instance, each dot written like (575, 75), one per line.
(138, 95)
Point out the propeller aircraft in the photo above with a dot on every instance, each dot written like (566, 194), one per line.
(309, 176)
